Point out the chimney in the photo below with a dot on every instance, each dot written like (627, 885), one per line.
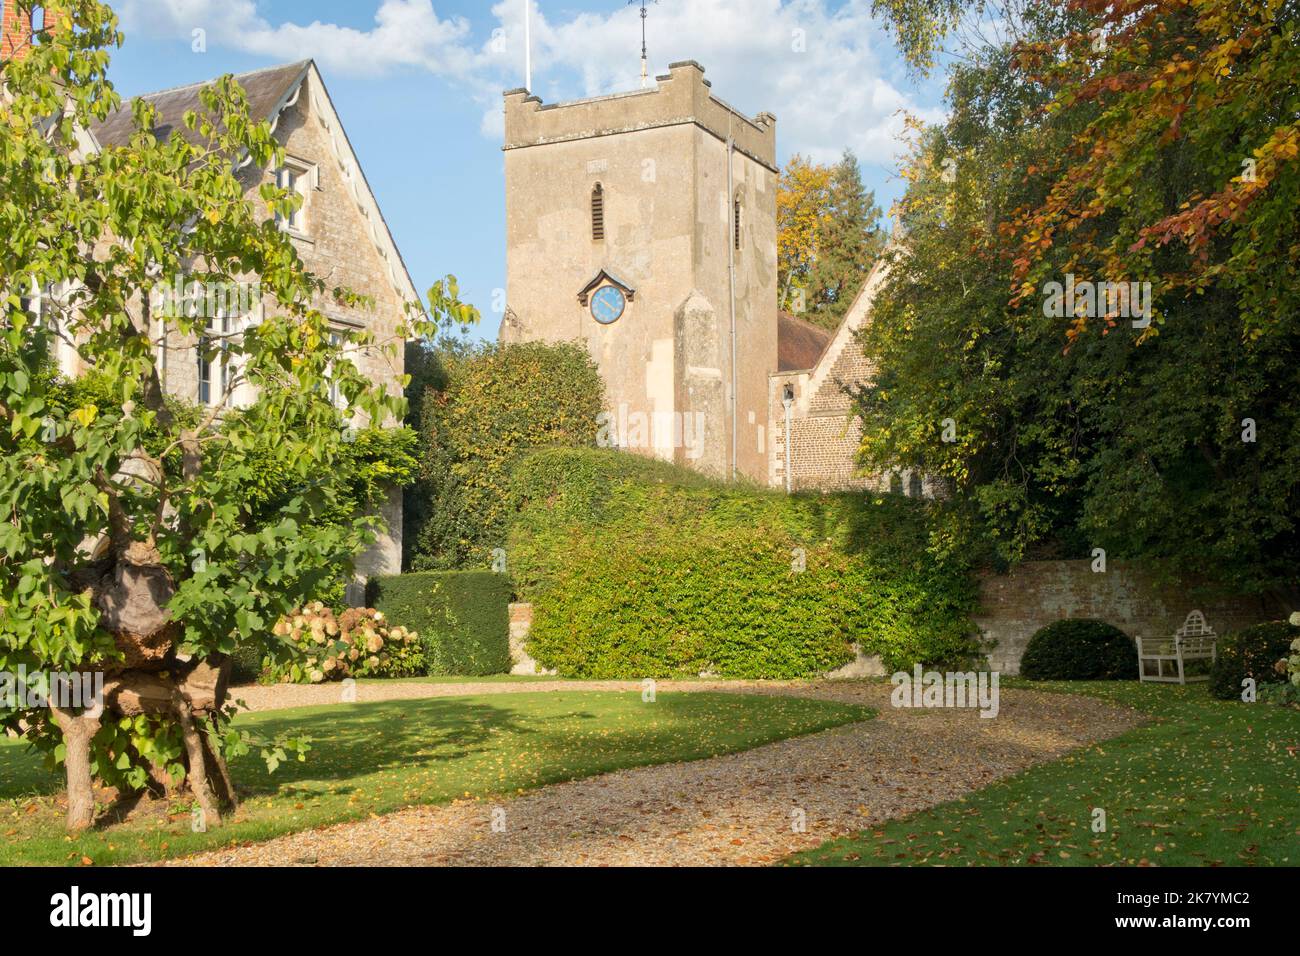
(18, 28)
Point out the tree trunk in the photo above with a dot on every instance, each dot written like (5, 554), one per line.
(219, 771)
(198, 770)
(203, 687)
(78, 731)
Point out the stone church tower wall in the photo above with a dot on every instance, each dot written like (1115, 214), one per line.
(667, 238)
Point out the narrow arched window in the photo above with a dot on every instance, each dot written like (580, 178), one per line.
(735, 220)
(597, 212)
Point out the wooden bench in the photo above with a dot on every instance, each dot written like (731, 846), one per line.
(1164, 659)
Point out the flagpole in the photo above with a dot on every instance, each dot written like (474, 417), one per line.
(528, 46)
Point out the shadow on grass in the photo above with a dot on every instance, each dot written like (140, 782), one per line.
(380, 737)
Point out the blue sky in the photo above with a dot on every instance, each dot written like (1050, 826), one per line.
(418, 82)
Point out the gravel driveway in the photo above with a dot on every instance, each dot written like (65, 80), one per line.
(749, 808)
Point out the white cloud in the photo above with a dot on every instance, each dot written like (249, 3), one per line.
(827, 71)
(405, 33)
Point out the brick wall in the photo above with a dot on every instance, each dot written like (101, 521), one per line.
(824, 434)
(1037, 593)
(17, 30)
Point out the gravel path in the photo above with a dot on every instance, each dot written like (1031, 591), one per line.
(741, 809)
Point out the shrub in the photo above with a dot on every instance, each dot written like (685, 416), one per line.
(323, 646)
(475, 414)
(637, 568)
(1251, 652)
(464, 617)
(246, 663)
(1080, 649)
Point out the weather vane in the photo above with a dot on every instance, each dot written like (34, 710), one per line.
(645, 61)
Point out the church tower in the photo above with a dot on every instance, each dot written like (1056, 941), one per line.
(643, 225)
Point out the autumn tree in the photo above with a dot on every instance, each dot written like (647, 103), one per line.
(848, 244)
(802, 198)
(1148, 142)
(129, 546)
(827, 237)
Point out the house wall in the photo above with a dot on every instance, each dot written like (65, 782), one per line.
(336, 245)
(1036, 593)
(661, 158)
(15, 30)
(824, 434)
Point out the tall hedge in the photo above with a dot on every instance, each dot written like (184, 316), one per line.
(463, 617)
(476, 410)
(639, 569)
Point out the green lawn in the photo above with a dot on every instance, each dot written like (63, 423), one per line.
(1209, 783)
(485, 679)
(376, 758)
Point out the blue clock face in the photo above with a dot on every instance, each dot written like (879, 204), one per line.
(607, 304)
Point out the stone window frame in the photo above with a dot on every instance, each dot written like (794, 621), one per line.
(305, 180)
(214, 367)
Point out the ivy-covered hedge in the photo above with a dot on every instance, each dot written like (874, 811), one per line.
(463, 617)
(640, 569)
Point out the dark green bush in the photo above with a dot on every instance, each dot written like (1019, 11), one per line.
(246, 663)
(1252, 652)
(1080, 649)
(463, 617)
(640, 569)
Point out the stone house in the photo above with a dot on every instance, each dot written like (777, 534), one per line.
(339, 233)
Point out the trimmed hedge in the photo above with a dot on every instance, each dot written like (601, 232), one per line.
(463, 617)
(1080, 649)
(1251, 652)
(637, 569)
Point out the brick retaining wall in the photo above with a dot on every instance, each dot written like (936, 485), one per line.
(1037, 593)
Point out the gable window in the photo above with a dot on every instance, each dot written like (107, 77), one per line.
(597, 213)
(298, 177)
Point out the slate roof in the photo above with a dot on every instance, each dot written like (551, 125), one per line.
(267, 90)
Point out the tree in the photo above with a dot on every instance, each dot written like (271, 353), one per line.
(827, 237)
(801, 210)
(129, 548)
(481, 408)
(847, 246)
(1173, 442)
